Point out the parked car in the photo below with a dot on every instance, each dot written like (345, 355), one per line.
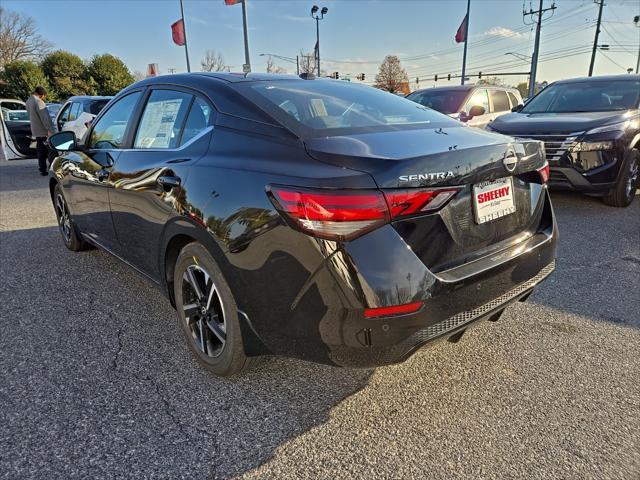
(477, 105)
(15, 130)
(54, 108)
(311, 218)
(77, 113)
(591, 130)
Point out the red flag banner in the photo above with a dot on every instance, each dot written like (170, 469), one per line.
(177, 31)
(461, 34)
(232, 2)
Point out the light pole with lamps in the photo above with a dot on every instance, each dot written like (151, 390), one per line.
(317, 17)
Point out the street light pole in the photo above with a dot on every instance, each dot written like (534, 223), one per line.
(247, 61)
(636, 20)
(317, 17)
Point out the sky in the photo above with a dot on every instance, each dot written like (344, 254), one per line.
(355, 35)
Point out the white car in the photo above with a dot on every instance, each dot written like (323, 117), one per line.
(15, 130)
(78, 112)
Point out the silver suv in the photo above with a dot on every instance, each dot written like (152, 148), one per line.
(477, 105)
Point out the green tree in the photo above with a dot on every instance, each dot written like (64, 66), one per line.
(523, 88)
(20, 78)
(109, 73)
(67, 74)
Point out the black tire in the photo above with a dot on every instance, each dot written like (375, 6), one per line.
(625, 190)
(208, 315)
(68, 230)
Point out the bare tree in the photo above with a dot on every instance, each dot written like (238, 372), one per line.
(307, 62)
(273, 68)
(213, 62)
(391, 76)
(138, 75)
(19, 38)
(490, 81)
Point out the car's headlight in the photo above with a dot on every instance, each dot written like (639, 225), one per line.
(593, 146)
(632, 123)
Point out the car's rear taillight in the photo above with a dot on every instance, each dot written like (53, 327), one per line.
(332, 214)
(346, 214)
(544, 173)
(413, 201)
(392, 310)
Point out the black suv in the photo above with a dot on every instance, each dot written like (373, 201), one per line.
(591, 131)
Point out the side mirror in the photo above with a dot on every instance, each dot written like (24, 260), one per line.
(475, 111)
(63, 141)
(517, 108)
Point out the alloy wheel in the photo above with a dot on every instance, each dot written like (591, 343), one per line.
(203, 311)
(64, 220)
(632, 180)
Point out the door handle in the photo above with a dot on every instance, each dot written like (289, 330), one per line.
(179, 160)
(169, 181)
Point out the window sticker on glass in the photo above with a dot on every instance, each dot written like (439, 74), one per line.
(157, 125)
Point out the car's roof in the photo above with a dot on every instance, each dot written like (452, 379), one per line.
(11, 100)
(198, 77)
(466, 88)
(602, 78)
(80, 98)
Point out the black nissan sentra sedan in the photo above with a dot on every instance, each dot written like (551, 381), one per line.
(306, 217)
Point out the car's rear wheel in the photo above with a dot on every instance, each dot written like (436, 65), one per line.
(70, 236)
(625, 190)
(207, 312)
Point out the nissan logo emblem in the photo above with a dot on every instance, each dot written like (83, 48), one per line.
(510, 160)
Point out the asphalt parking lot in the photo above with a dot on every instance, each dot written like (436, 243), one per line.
(97, 382)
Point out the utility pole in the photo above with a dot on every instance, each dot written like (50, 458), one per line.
(595, 40)
(536, 49)
(466, 41)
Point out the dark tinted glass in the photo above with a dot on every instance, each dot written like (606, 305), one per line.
(108, 132)
(95, 106)
(596, 96)
(328, 107)
(442, 100)
(500, 100)
(197, 120)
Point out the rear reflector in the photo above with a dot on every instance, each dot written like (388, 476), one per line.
(332, 214)
(345, 214)
(394, 310)
(544, 173)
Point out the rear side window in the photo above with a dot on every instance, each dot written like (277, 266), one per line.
(198, 119)
(500, 100)
(108, 133)
(514, 99)
(162, 119)
(76, 108)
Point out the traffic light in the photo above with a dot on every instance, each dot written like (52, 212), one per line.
(335, 75)
(449, 77)
(435, 79)
(479, 74)
(360, 77)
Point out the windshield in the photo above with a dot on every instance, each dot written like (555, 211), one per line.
(586, 96)
(319, 107)
(444, 101)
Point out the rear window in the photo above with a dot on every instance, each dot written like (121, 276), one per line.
(594, 96)
(442, 100)
(321, 107)
(96, 105)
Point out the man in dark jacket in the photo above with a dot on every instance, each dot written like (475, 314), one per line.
(41, 125)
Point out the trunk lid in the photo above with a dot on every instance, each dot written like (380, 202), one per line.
(447, 157)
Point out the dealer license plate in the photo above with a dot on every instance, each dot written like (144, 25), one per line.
(493, 200)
